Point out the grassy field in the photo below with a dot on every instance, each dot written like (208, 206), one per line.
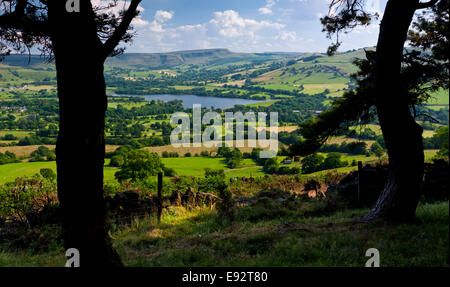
(26, 150)
(9, 172)
(195, 166)
(440, 97)
(197, 150)
(282, 237)
(18, 134)
(341, 139)
(196, 239)
(430, 154)
(17, 76)
(189, 166)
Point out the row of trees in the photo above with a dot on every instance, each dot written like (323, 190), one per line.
(317, 162)
(8, 157)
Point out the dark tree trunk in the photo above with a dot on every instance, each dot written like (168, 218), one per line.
(403, 136)
(80, 147)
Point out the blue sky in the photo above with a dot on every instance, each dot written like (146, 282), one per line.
(241, 26)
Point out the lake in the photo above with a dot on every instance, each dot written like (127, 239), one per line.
(190, 100)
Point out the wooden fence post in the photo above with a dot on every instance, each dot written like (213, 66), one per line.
(360, 166)
(160, 182)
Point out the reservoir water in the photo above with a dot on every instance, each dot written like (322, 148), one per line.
(190, 100)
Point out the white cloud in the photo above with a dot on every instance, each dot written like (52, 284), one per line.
(231, 24)
(287, 36)
(119, 7)
(267, 9)
(160, 18)
(191, 28)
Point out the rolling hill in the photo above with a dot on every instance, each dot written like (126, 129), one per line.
(193, 57)
(162, 60)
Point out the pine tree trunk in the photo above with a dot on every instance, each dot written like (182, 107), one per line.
(80, 147)
(403, 136)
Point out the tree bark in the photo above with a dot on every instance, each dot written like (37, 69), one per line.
(403, 136)
(80, 147)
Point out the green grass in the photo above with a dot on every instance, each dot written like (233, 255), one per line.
(188, 166)
(339, 170)
(16, 76)
(55, 258)
(197, 239)
(266, 234)
(262, 104)
(430, 154)
(195, 166)
(440, 97)
(9, 172)
(248, 172)
(18, 134)
(126, 105)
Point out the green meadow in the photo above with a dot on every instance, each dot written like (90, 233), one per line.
(9, 172)
(264, 235)
(186, 166)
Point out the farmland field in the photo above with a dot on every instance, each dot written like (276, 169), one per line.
(26, 150)
(9, 172)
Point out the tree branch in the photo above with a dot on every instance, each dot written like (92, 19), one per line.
(36, 27)
(17, 20)
(428, 117)
(121, 30)
(423, 5)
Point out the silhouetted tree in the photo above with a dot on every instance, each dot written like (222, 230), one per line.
(392, 81)
(79, 42)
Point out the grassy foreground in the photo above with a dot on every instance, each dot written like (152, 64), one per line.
(263, 236)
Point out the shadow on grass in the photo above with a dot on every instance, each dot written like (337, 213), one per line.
(198, 238)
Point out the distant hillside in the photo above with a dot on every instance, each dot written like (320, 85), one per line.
(193, 57)
(24, 60)
(314, 73)
(163, 60)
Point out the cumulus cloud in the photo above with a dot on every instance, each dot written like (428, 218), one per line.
(118, 8)
(287, 36)
(160, 18)
(231, 24)
(267, 9)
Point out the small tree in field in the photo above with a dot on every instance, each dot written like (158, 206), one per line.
(377, 150)
(442, 135)
(139, 165)
(311, 163)
(48, 174)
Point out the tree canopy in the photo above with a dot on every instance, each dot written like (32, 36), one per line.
(425, 69)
